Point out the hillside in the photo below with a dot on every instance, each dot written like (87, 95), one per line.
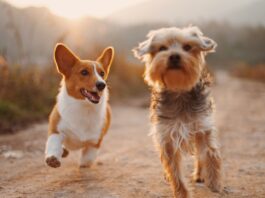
(171, 11)
(28, 35)
(253, 13)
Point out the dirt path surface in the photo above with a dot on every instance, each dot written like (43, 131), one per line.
(128, 165)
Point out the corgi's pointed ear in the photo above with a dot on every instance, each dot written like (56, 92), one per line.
(65, 59)
(106, 58)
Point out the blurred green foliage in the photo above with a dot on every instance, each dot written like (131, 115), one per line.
(26, 95)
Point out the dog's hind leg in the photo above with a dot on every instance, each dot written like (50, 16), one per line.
(88, 156)
(209, 160)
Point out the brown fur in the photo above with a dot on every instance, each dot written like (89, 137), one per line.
(106, 126)
(187, 77)
(171, 162)
(70, 68)
(68, 63)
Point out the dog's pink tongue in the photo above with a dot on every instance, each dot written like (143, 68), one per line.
(95, 96)
(92, 96)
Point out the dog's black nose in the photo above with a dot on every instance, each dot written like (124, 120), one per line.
(174, 58)
(100, 85)
(174, 61)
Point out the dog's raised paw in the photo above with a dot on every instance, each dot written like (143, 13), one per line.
(53, 162)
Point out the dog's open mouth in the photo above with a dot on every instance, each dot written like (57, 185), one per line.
(91, 96)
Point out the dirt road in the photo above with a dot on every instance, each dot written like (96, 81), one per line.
(128, 166)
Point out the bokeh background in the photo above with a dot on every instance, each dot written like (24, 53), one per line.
(29, 30)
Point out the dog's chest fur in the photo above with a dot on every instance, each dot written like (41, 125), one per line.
(179, 115)
(81, 120)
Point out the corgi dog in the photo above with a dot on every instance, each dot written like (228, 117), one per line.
(81, 117)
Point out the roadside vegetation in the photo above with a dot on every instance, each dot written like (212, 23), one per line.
(28, 94)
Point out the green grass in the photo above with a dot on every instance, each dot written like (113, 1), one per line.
(26, 95)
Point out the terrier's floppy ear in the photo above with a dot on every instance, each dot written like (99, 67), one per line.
(65, 59)
(106, 58)
(142, 49)
(207, 44)
(204, 43)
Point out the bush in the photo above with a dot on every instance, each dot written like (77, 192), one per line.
(28, 93)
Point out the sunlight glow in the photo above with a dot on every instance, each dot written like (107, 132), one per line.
(78, 8)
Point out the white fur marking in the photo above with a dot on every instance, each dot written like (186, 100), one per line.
(80, 120)
(180, 132)
(54, 146)
(96, 73)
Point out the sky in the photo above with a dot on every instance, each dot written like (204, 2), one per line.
(78, 8)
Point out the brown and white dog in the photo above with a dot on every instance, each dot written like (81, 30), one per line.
(81, 116)
(181, 105)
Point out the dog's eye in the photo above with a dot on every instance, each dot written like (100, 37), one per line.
(162, 48)
(102, 73)
(187, 47)
(84, 72)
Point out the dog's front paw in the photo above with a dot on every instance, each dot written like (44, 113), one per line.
(215, 186)
(182, 193)
(53, 162)
(197, 179)
(86, 164)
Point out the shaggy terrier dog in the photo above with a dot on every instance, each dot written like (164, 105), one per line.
(181, 104)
